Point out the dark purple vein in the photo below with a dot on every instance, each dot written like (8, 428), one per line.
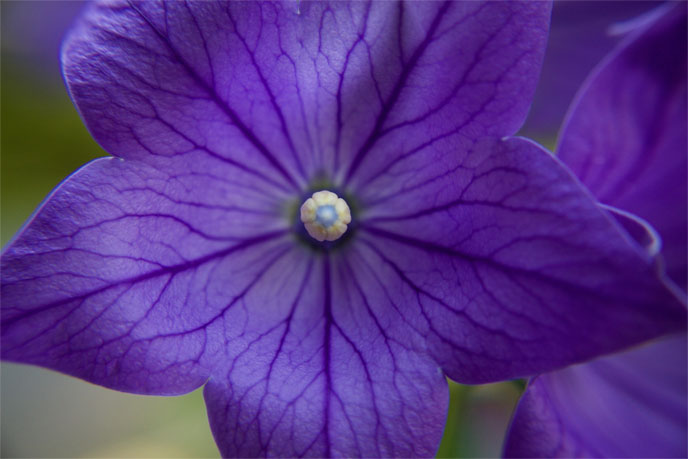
(394, 96)
(149, 275)
(271, 95)
(567, 285)
(327, 350)
(248, 134)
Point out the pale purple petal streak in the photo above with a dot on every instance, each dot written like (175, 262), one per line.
(626, 136)
(628, 405)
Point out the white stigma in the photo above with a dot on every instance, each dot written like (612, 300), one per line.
(325, 216)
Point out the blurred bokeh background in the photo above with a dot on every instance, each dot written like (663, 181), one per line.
(46, 414)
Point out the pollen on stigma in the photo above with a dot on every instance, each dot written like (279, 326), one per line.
(325, 216)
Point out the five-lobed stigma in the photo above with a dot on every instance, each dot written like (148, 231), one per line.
(325, 216)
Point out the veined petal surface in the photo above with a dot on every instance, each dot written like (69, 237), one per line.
(341, 374)
(625, 138)
(296, 89)
(628, 405)
(507, 266)
(120, 277)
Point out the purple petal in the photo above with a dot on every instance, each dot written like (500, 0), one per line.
(506, 265)
(278, 87)
(626, 136)
(629, 405)
(580, 35)
(339, 376)
(638, 229)
(122, 275)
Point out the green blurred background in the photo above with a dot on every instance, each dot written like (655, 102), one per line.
(46, 414)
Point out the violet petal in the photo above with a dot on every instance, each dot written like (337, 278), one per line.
(626, 136)
(278, 86)
(581, 34)
(638, 229)
(506, 265)
(628, 405)
(121, 276)
(340, 375)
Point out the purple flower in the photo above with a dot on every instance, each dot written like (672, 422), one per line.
(183, 261)
(626, 139)
(582, 33)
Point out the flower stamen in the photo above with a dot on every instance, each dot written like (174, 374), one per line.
(325, 216)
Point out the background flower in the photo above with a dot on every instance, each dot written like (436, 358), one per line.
(626, 138)
(581, 34)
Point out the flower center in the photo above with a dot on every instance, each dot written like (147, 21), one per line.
(325, 216)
